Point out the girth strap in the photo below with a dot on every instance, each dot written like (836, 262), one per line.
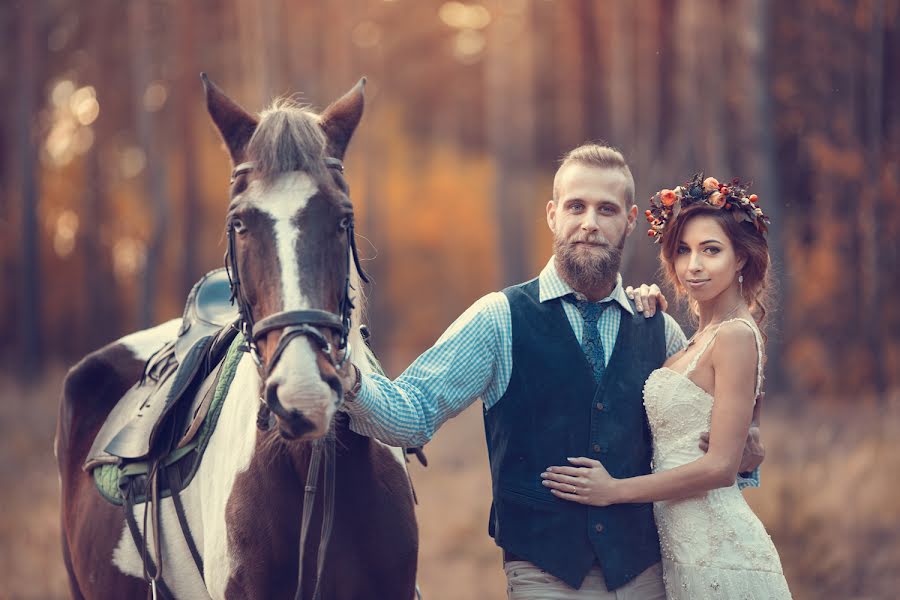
(173, 477)
(152, 573)
(152, 570)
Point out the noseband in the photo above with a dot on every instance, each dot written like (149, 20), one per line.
(295, 323)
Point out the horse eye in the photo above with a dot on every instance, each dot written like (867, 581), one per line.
(238, 226)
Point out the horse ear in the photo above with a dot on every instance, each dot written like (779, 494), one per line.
(341, 118)
(234, 123)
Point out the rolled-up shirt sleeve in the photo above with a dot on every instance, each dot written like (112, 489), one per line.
(745, 480)
(464, 364)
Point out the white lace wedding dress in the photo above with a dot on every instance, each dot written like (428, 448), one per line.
(713, 545)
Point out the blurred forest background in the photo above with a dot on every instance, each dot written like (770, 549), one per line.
(117, 188)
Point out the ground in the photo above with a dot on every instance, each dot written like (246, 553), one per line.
(829, 499)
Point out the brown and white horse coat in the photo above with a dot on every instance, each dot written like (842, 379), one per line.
(244, 503)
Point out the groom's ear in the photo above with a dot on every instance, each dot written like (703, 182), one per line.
(632, 219)
(551, 215)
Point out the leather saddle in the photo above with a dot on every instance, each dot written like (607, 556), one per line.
(158, 419)
(165, 408)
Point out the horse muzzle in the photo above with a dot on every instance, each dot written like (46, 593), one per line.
(303, 391)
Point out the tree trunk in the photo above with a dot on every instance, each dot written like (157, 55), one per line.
(154, 173)
(593, 71)
(754, 150)
(30, 299)
(510, 121)
(870, 202)
(188, 90)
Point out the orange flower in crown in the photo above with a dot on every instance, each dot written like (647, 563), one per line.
(666, 204)
(668, 197)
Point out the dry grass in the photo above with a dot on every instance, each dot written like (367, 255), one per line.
(30, 553)
(829, 498)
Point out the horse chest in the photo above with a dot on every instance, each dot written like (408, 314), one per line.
(230, 453)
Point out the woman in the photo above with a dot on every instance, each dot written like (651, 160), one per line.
(713, 546)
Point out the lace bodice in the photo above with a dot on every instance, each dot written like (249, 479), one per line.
(713, 545)
(679, 410)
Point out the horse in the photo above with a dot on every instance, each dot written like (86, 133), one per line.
(291, 263)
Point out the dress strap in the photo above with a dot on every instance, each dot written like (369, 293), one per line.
(759, 351)
(759, 344)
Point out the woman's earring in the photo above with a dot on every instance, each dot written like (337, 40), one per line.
(741, 283)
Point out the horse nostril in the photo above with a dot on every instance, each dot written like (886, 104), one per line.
(300, 425)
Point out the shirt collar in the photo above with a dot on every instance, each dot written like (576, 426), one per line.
(552, 286)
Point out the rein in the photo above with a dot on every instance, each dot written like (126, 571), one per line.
(296, 323)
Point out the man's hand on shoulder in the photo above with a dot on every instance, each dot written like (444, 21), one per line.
(647, 298)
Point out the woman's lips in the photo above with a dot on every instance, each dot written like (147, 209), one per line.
(696, 283)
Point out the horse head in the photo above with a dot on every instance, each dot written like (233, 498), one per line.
(291, 253)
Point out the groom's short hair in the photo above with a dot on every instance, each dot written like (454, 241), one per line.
(597, 155)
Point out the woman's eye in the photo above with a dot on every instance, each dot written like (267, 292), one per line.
(682, 250)
(712, 250)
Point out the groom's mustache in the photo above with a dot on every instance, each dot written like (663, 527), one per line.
(594, 240)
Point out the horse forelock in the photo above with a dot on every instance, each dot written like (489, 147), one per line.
(288, 138)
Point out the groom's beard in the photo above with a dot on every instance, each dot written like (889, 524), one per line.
(585, 269)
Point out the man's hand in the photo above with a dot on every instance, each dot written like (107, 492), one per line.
(754, 452)
(646, 298)
(349, 376)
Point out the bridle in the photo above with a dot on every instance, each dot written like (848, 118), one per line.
(306, 322)
(296, 323)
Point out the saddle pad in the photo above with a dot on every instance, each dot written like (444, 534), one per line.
(107, 476)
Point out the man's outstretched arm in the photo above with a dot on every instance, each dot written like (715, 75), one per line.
(467, 362)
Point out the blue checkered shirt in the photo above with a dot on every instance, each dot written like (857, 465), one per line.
(471, 360)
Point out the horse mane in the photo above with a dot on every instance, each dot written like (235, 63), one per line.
(359, 310)
(288, 138)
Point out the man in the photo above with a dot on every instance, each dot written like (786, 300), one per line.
(560, 363)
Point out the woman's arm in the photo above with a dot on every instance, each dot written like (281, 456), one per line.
(734, 366)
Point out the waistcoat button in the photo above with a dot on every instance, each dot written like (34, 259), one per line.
(600, 406)
(599, 527)
(597, 448)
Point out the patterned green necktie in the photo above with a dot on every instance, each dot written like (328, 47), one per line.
(590, 337)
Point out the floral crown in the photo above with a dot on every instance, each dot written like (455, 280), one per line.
(666, 204)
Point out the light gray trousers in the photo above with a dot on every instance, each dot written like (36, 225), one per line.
(525, 581)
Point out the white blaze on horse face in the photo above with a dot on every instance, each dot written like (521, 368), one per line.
(282, 201)
(299, 383)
